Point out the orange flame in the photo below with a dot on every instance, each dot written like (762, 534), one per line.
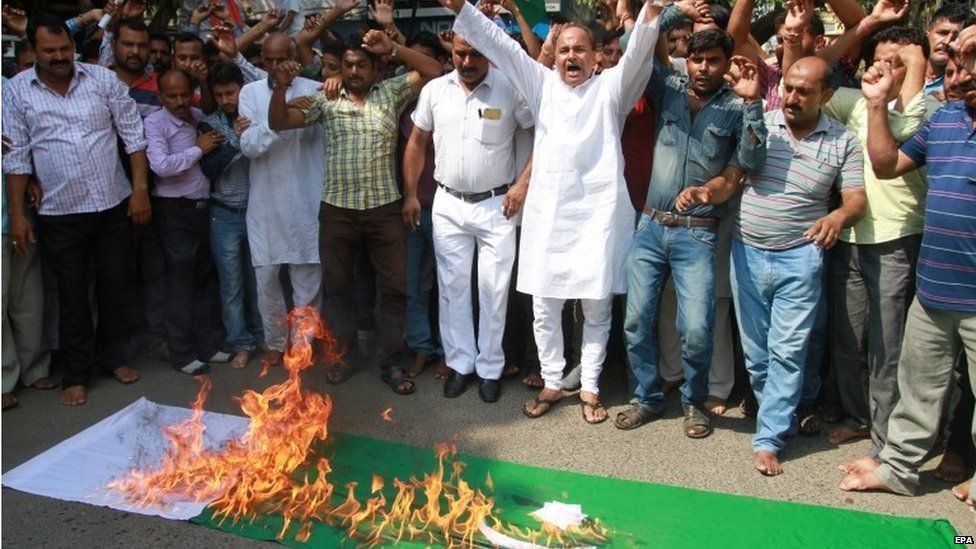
(255, 474)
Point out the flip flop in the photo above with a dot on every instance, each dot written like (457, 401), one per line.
(398, 381)
(549, 402)
(592, 407)
(634, 416)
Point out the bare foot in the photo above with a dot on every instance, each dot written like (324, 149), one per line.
(417, 366)
(961, 492)
(442, 372)
(715, 405)
(270, 358)
(863, 482)
(952, 468)
(593, 411)
(9, 401)
(865, 464)
(124, 375)
(240, 359)
(76, 395)
(541, 404)
(534, 381)
(45, 383)
(839, 434)
(511, 370)
(767, 463)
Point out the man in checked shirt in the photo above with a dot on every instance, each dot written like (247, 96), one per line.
(63, 119)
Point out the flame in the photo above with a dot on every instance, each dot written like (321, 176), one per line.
(255, 475)
(387, 415)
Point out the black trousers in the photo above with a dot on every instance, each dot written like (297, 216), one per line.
(183, 226)
(75, 246)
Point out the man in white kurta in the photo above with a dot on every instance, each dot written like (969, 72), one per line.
(472, 114)
(287, 169)
(578, 218)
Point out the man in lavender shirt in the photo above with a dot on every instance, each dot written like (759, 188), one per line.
(182, 216)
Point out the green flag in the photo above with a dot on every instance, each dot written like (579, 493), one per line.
(533, 10)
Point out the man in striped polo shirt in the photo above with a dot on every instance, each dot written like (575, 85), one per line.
(942, 318)
(783, 226)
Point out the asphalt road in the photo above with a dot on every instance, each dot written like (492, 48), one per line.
(658, 452)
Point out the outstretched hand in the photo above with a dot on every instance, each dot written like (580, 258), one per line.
(877, 82)
(743, 76)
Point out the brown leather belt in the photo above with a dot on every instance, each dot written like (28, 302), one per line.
(668, 219)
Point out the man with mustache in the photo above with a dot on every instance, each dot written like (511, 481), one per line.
(941, 321)
(943, 29)
(360, 200)
(63, 119)
(709, 134)
(183, 222)
(577, 218)
(471, 116)
(872, 275)
(781, 232)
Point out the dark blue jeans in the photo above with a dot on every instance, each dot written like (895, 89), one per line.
(238, 289)
(421, 277)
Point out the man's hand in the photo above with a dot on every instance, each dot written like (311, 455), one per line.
(285, 73)
(876, 82)
(346, 6)
(21, 233)
(271, 19)
(223, 37)
(139, 209)
(693, 196)
(411, 212)
(696, 10)
(331, 87)
(743, 76)
(198, 71)
(90, 16)
(34, 195)
(15, 20)
(799, 15)
(453, 5)
(824, 231)
(382, 12)
(377, 42)
(911, 55)
(209, 141)
(514, 199)
(301, 103)
(889, 12)
(241, 125)
(200, 14)
(490, 8)
(446, 38)
(133, 9)
(221, 11)
(965, 48)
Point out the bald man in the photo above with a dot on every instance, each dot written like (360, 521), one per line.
(182, 215)
(783, 226)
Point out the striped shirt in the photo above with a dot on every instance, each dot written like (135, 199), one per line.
(69, 142)
(793, 189)
(361, 144)
(946, 145)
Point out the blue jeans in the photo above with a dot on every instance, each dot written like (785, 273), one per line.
(689, 255)
(231, 254)
(421, 278)
(777, 297)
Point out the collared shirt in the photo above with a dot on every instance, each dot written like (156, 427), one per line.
(946, 146)
(688, 152)
(175, 157)
(895, 206)
(69, 142)
(473, 132)
(230, 187)
(794, 187)
(935, 85)
(769, 78)
(361, 144)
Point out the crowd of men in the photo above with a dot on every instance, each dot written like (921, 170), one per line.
(653, 193)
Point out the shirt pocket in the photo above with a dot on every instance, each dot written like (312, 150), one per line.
(716, 142)
(491, 132)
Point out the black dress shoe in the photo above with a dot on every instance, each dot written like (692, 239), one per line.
(489, 390)
(456, 384)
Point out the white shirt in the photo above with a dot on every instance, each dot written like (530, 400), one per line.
(286, 173)
(578, 222)
(473, 132)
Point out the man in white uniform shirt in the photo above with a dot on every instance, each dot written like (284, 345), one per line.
(578, 220)
(472, 113)
(286, 173)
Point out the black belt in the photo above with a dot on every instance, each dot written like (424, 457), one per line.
(668, 219)
(474, 198)
(223, 206)
(195, 203)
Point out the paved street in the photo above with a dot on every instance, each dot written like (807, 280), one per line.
(658, 452)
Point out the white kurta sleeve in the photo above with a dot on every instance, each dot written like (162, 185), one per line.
(522, 71)
(258, 138)
(629, 78)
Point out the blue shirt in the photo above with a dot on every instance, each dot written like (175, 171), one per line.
(688, 152)
(946, 144)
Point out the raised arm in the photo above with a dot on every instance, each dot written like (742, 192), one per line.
(886, 159)
(634, 69)
(750, 153)
(740, 26)
(280, 115)
(253, 34)
(532, 44)
(521, 70)
(884, 14)
(424, 68)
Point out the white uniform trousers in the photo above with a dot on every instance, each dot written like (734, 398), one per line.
(548, 327)
(459, 229)
(306, 283)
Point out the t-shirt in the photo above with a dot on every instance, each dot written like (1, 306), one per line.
(946, 146)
